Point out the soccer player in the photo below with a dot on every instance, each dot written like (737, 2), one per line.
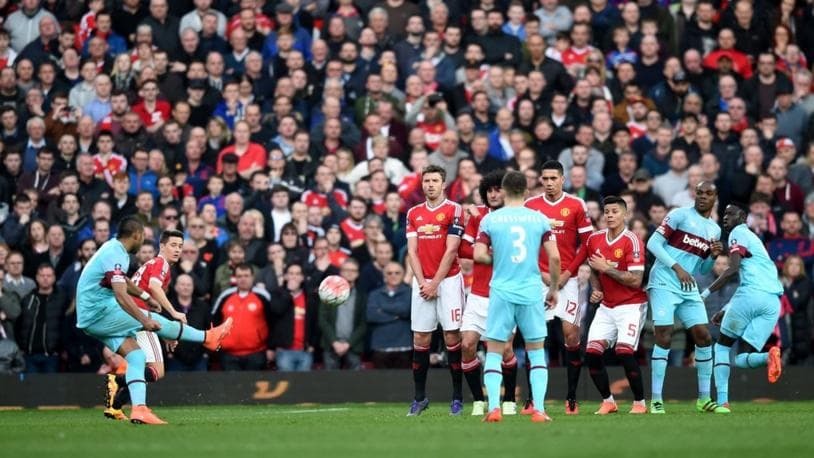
(154, 277)
(617, 270)
(473, 323)
(572, 227)
(682, 245)
(106, 312)
(515, 235)
(752, 313)
(434, 230)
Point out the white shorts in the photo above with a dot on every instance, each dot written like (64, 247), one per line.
(149, 343)
(475, 311)
(567, 309)
(446, 308)
(619, 325)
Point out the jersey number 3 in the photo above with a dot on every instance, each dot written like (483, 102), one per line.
(518, 242)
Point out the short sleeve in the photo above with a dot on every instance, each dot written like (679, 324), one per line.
(483, 231)
(669, 223)
(115, 267)
(471, 231)
(735, 246)
(583, 221)
(411, 230)
(634, 258)
(456, 228)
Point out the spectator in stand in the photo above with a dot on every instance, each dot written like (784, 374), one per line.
(249, 346)
(786, 193)
(39, 325)
(187, 356)
(295, 307)
(667, 185)
(344, 327)
(792, 241)
(388, 317)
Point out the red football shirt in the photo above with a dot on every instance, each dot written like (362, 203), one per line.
(432, 226)
(573, 56)
(156, 269)
(625, 253)
(481, 273)
(298, 342)
(106, 169)
(570, 224)
(314, 198)
(354, 232)
(149, 118)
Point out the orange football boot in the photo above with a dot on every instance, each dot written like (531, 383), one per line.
(493, 417)
(775, 364)
(606, 408)
(215, 336)
(638, 409)
(540, 417)
(142, 415)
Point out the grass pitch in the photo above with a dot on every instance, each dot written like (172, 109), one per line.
(351, 430)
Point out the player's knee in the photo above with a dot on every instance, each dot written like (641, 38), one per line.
(136, 358)
(158, 370)
(508, 353)
(663, 334)
(595, 348)
(452, 338)
(469, 347)
(421, 339)
(701, 336)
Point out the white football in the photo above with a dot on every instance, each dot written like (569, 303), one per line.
(334, 290)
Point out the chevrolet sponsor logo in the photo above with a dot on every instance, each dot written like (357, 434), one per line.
(555, 223)
(429, 228)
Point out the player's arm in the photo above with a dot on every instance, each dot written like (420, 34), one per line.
(596, 288)
(631, 279)
(553, 254)
(157, 292)
(727, 275)
(657, 246)
(415, 264)
(481, 253)
(134, 290)
(450, 253)
(467, 247)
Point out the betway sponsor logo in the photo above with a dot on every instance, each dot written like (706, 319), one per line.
(695, 242)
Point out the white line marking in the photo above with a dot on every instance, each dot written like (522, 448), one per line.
(333, 409)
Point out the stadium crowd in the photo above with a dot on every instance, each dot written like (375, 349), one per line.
(286, 139)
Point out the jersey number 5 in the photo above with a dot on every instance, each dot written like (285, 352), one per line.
(518, 243)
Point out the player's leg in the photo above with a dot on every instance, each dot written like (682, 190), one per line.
(450, 306)
(663, 304)
(531, 321)
(499, 325)
(723, 353)
(763, 311)
(601, 334)
(568, 311)
(136, 365)
(151, 346)
(629, 322)
(693, 314)
(175, 330)
(509, 366)
(473, 326)
(423, 322)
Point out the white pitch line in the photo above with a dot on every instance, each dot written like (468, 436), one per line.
(332, 409)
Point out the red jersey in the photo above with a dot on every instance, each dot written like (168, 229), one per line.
(481, 273)
(337, 257)
(573, 56)
(432, 226)
(107, 169)
(354, 232)
(251, 313)
(150, 118)
(314, 198)
(156, 269)
(625, 254)
(570, 224)
(298, 342)
(432, 132)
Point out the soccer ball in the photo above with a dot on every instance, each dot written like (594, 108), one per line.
(334, 290)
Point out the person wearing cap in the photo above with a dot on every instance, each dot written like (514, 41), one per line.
(669, 94)
(792, 119)
(642, 187)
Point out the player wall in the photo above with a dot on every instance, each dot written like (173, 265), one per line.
(218, 388)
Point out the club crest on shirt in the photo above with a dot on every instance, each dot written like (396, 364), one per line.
(617, 253)
(565, 212)
(440, 217)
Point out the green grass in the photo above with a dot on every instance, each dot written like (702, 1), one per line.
(753, 430)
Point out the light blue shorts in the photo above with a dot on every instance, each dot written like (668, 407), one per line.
(503, 316)
(666, 305)
(114, 326)
(751, 316)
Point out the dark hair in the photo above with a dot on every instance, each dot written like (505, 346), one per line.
(167, 235)
(45, 151)
(514, 183)
(128, 227)
(435, 169)
(611, 200)
(553, 165)
(493, 179)
(244, 266)
(45, 265)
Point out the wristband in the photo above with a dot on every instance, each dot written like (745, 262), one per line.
(145, 296)
(705, 293)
